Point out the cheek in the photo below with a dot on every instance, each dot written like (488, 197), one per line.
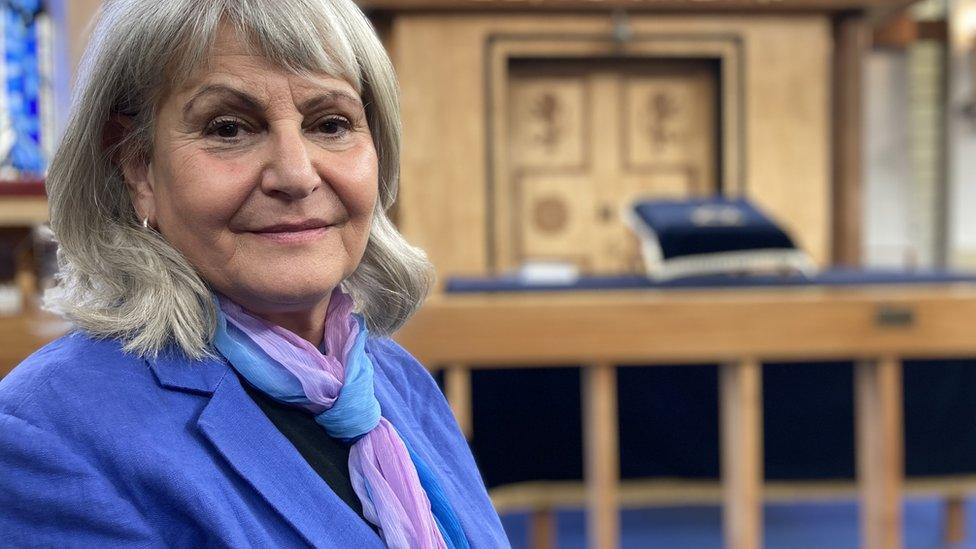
(198, 198)
(359, 187)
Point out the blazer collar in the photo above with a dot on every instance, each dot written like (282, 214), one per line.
(175, 370)
(257, 451)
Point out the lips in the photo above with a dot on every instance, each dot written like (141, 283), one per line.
(299, 226)
(297, 232)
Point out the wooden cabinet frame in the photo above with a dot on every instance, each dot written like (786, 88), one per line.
(501, 49)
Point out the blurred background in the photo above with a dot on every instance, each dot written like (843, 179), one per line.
(619, 149)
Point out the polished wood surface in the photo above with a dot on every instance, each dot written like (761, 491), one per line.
(740, 394)
(601, 454)
(669, 492)
(22, 211)
(880, 451)
(689, 326)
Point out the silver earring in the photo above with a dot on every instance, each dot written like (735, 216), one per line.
(145, 222)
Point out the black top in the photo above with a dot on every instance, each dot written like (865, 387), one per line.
(327, 456)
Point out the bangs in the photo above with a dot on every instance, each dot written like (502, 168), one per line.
(278, 30)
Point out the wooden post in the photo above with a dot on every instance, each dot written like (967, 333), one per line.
(542, 529)
(601, 455)
(742, 450)
(457, 386)
(880, 461)
(954, 524)
(852, 39)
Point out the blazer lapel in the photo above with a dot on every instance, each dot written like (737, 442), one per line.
(259, 453)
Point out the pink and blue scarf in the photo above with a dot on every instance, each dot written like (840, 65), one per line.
(399, 492)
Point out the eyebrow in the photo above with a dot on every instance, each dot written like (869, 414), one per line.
(330, 97)
(253, 103)
(248, 100)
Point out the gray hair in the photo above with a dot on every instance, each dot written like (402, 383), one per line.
(119, 280)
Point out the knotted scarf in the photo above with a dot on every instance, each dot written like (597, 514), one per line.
(397, 489)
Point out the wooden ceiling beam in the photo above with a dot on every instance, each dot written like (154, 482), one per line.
(632, 5)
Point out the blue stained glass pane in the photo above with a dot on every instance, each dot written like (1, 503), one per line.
(22, 86)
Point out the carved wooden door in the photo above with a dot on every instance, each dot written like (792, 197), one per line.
(586, 138)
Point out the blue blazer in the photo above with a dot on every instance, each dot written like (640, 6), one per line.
(99, 448)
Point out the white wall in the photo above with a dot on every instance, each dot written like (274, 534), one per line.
(961, 137)
(888, 167)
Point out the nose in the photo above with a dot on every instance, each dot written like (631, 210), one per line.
(290, 172)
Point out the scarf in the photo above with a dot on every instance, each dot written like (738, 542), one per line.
(399, 492)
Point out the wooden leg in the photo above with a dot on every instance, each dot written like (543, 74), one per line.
(880, 461)
(457, 385)
(542, 529)
(742, 450)
(601, 455)
(954, 525)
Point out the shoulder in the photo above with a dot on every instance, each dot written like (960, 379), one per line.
(80, 390)
(386, 348)
(390, 352)
(67, 368)
(407, 391)
(56, 408)
(404, 372)
(94, 395)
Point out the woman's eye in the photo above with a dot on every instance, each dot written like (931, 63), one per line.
(225, 128)
(334, 126)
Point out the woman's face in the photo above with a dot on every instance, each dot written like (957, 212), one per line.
(265, 181)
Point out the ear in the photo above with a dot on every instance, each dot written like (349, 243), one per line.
(133, 165)
(135, 170)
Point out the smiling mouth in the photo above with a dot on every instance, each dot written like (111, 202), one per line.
(293, 234)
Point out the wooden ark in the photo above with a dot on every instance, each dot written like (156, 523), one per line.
(530, 126)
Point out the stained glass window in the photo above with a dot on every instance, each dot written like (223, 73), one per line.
(26, 106)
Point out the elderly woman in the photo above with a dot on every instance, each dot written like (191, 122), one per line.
(219, 198)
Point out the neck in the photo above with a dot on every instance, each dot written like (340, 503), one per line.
(307, 324)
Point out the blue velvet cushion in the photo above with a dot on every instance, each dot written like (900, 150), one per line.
(713, 235)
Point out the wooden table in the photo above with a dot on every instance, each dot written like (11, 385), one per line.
(877, 326)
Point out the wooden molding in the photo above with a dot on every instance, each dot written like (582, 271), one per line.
(901, 31)
(634, 5)
(639, 493)
(22, 187)
(693, 327)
